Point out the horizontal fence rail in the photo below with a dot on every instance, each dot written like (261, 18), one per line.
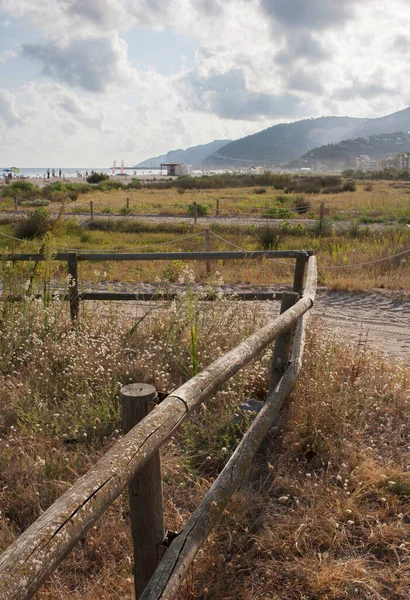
(32, 557)
(226, 255)
(75, 296)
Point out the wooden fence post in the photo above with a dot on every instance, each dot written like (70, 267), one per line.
(145, 489)
(73, 294)
(322, 214)
(208, 249)
(92, 209)
(217, 208)
(128, 203)
(300, 265)
(281, 351)
(195, 215)
(15, 202)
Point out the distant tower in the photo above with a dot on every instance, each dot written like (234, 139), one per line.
(122, 167)
(114, 164)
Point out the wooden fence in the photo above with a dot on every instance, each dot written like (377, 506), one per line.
(33, 556)
(75, 295)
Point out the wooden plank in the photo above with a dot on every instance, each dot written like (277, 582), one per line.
(145, 489)
(225, 255)
(154, 296)
(32, 557)
(103, 256)
(170, 574)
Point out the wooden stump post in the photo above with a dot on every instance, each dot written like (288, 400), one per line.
(92, 209)
(128, 203)
(281, 351)
(208, 249)
(217, 208)
(145, 489)
(300, 265)
(15, 202)
(73, 293)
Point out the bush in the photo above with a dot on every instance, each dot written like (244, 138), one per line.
(124, 210)
(181, 190)
(134, 185)
(260, 190)
(20, 188)
(201, 209)
(110, 184)
(97, 177)
(268, 237)
(277, 213)
(35, 225)
(301, 205)
(349, 186)
(37, 202)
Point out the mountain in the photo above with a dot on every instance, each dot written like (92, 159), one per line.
(191, 156)
(281, 143)
(344, 154)
(398, 121)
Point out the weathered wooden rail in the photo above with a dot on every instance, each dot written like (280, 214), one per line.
(33, 556)
(75, 295)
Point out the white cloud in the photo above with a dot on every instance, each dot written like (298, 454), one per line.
(93, 64)
(8, 111)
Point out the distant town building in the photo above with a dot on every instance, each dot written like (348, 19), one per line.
(365, 163)
(399, 161)
(176, 169)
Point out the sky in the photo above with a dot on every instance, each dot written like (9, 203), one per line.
(84, 82)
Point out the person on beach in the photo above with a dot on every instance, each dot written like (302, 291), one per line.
(48, 173)
(59, 173)
(53, 172)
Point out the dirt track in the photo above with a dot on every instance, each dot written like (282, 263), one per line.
(379, 322)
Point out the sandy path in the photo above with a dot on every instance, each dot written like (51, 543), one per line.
(375, 321)
(379, 322)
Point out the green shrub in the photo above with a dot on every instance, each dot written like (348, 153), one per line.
(110, 184)
(268, 237)
(20, 188)
(134, 185)
(282, 198)
(36, 202)
(97, 177)
(277, 213)
(349, 186)
(124, 210)
(260, 190)
(181, 190)
(106, 210)
(201, 209)
(34, 225)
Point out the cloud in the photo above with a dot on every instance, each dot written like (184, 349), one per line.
(226, 95)
(8, 112)
(314, 15)
(302, 47)
(92, 64)
(363, 90)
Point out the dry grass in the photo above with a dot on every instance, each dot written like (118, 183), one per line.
(325, 511)
(386, 199)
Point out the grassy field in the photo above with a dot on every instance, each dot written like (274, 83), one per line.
(325, 510)
(372, 201)
(335, 249)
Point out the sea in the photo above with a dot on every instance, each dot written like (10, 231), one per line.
(80, 172)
